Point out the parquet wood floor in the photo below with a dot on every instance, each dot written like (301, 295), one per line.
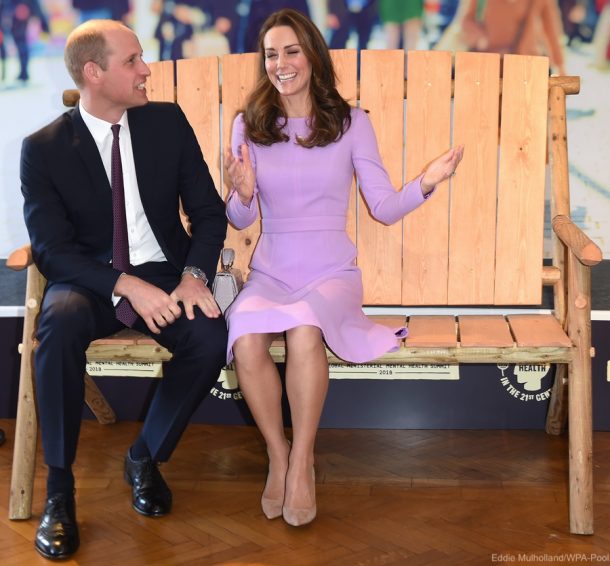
(385, 497)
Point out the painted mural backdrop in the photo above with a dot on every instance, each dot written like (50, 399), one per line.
(575, 34)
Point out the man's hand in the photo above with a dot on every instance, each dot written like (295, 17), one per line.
(193, 292)
(155, 306)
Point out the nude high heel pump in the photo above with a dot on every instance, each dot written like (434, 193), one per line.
(299, 516)
(272, 508)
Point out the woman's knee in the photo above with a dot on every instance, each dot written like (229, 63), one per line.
(304, 339)
(251, 347)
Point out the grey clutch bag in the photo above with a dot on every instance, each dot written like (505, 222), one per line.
(228, 280)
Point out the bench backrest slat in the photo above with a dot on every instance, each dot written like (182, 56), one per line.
(198, 95)
(160, 84)
(519, 239)
(472, 242)
(479, 241)
(428, 135)
(379, 246)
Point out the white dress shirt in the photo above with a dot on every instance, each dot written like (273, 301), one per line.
(143, 246)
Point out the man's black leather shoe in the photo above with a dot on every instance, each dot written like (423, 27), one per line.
(150, 494)
(57, 535)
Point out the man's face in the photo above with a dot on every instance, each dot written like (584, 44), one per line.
(122, 84)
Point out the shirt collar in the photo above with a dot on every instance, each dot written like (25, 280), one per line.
(99, 128)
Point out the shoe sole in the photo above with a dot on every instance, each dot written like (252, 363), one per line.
(54, 557)
(136, 509)
(153, 515)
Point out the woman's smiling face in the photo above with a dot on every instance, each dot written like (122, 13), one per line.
(287, 66)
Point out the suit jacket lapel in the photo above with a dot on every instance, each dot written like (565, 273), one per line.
(84, 144)
(142, 144)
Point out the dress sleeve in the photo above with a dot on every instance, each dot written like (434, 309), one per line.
(385, 203)
(239, 214)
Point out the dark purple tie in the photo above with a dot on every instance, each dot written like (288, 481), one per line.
(120, 240)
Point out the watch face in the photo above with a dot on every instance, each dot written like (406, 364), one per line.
(195, 272)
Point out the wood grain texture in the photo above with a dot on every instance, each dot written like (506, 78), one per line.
(472, 229)
(478, 331)
(198, 95)
(531, 330)
(379, 246)
(160, 83)
(394, 497)
(437, 331)
(521, 180)
(426, 230)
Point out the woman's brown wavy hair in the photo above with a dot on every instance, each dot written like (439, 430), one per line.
(265, 116)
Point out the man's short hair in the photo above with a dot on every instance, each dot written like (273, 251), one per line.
(87, 43)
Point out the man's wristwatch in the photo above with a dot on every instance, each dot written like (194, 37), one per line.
(196, 273)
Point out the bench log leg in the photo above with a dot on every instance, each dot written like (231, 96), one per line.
(24, 454)
(579, 400)
(557, 416)
(97, 402)
(26, 426)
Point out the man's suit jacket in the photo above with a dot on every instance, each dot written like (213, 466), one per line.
(68, 199)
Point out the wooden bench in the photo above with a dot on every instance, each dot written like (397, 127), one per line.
(476, 243)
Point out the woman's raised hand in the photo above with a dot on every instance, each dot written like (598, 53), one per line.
(241, 173)
(441, 168)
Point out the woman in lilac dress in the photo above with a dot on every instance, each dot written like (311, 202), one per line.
(294, 151)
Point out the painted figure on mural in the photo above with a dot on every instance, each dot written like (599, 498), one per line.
(523, 27)
(101, 187)
(294, 151)
(260, 10)
(15, 17)
(577, 19)
(601, 36)
(402, 22)
(347, 16)
(182, 24)
(101, 9)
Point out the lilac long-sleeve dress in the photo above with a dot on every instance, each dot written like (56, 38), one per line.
(303, 269)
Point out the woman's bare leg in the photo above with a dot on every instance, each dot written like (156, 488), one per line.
(306, 386)
(261, 386)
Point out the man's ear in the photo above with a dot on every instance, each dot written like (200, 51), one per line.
(91, 72)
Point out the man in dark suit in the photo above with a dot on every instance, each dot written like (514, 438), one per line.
(69, 180)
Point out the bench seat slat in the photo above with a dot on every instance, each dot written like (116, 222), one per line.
(122, 337)
(534, 330)
(391, 321)
(432, 332)
(484, 331)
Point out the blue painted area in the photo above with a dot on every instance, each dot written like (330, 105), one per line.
(588, 181)
(576, 113)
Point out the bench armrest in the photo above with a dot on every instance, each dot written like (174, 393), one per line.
(587, 252)
(21, 258)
